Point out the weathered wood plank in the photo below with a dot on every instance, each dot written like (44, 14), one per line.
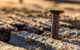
(22, 37)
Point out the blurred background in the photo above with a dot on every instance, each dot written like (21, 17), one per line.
(41, 4)
(69, 6)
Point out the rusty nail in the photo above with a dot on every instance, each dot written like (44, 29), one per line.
(21, 1)
(45, 13)
(55, 22)
(19, 25)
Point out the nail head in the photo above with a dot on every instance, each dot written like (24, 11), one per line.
(56, 11)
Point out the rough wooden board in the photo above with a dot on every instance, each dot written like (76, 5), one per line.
(6, 46)
(48, 41)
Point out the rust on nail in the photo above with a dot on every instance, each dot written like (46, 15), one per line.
(55, 22)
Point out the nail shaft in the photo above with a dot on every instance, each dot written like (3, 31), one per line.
(55, 22)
